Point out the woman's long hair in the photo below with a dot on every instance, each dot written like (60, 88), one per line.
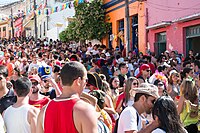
(165, 109)
(189, 90)
(128, 87)
(110, 82)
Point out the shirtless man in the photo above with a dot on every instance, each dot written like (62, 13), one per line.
(67, 113)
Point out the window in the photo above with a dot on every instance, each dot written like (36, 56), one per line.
(40, 30)
(44, 28)
(160, 44)
(121, 29)
(4, 31)
(161, 37)
(110, 36)
(193, 31)
(134, 32)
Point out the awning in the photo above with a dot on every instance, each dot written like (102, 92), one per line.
(188, 18)
(179, 20)
(28, 24)
(159, 25)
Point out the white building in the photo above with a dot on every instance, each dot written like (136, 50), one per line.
(48, 25)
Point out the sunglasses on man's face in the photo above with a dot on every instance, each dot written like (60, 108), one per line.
(35, 83)
(148, 70)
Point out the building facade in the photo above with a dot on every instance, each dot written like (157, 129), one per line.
(173, 25)
(14, 15)
(5, 29)
(115, 10)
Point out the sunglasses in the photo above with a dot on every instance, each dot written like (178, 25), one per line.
(148, 70)
(1, 78)
(135, 84)
(160, 85)
(45, 81)
(176, 75)
(35, 83)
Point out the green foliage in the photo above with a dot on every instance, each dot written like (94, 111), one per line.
(89, 23)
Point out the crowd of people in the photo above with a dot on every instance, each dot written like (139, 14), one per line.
(51, 86)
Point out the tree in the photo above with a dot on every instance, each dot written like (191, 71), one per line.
(89, 23)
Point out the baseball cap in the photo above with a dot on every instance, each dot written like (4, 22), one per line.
(45, 71)
(148, 89)
(34, 77)
(144, 67)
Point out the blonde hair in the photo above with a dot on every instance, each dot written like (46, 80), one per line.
(189, 90)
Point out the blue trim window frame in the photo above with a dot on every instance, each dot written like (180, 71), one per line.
(134, 26)
(121, 28)
(109, 36)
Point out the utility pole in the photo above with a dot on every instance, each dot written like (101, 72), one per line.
(35, 20)
(12, 26)
(127, 26)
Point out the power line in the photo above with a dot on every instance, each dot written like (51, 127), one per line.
(173, 10)
(170, 8)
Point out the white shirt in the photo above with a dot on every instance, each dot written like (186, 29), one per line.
(128, 120)
(16, 119)
(94, 52)
(130, 66)
(136, 71)
(1, 125)
(32, 65)
(158, 130)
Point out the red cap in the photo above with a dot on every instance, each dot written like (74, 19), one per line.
(144, 67)
(34, 77)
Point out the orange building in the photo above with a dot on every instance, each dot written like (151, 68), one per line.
(115, 11)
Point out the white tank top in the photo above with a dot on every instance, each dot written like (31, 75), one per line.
(16, 119)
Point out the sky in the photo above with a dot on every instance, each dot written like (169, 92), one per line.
(4, 2)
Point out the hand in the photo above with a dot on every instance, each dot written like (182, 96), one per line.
(51, 80)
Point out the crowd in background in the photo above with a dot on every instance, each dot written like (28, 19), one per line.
(123, 90)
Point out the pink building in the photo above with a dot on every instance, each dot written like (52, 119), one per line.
(173, 25)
